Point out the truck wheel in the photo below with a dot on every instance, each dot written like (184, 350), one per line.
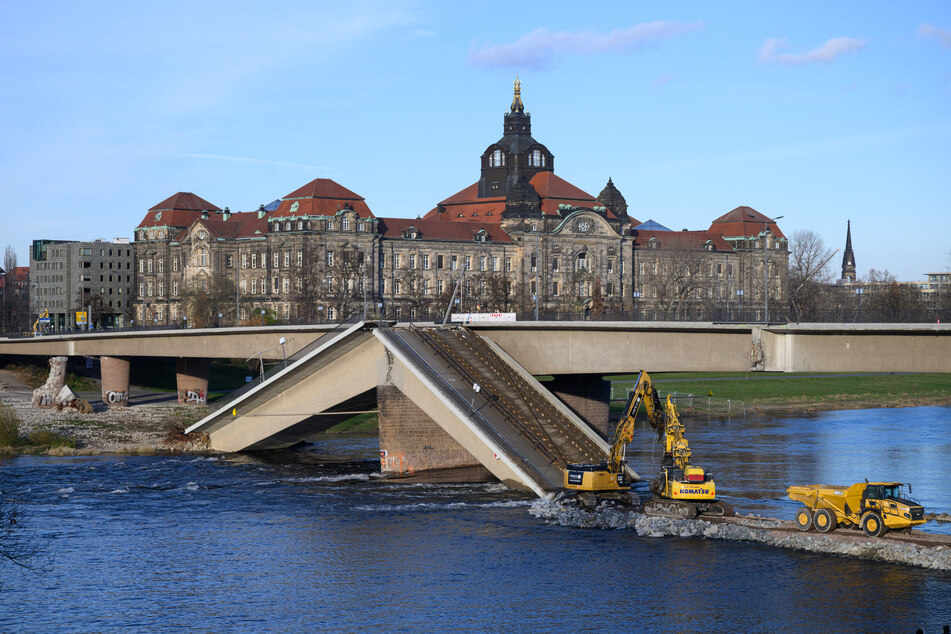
(824, 521)
(872, 524)
(804, 519)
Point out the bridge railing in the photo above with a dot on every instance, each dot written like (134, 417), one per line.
(492, 398)
(266, 374)
(450, 392)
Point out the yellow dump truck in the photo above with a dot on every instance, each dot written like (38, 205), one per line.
(875, 507)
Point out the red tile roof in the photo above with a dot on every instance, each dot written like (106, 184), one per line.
(466, 206)
(17, 276)
(321, 197)
(242, 224)
(743, 221)
(179, 210)
(436, 230)
(681, 240)
(184, 201)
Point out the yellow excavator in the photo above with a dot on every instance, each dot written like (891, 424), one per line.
(683, 490)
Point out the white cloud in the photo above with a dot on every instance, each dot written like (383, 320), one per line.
(537, 49)
(942, 35)
(663, 80)
(769, 52)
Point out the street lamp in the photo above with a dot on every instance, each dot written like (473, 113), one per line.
(766, 268)
(739, 299)
(859, 292)
(535, 267)
(637, 296)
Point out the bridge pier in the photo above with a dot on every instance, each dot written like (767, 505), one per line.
(191, 377)
(411, 441)
(588, 396)
(114, 372)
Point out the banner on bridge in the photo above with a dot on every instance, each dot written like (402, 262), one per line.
(468, 318)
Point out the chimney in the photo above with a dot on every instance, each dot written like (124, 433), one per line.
(226, 214)
(261, 212)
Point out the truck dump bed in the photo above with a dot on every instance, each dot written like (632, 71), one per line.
(844, 500)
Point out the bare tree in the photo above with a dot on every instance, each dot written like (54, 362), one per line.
(308, 287)
(19, 543)
(9, 263)
(890, 301)
(493, 290)
(413, 290)
(204, 300)
(808, 273)
(675, 281)
(347, 275)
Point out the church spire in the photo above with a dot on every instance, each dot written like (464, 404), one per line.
(848, 258)
(517, 105)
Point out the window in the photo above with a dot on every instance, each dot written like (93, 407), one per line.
(286, 282)
(277, 226)
(141, 266)
(534, 287)
(508, 264)
(496, 159)
(244, 286)
(275, 286)
(534, 226)
(287, 226)
(439, 287)
(412, 260)
(276, 260)
(468, 266)
(536, 159)
(174, 289)
(161, 289)
(287, 258)
(359, 226)
(254, 285)
(533, 262)
(610, 288)
(581, 263)
(330, 258)
(439, 262)
(555, 263)
(397, 287)
(141, 289)
(397, 261)
(149, 287)
(300, 258)
(495, 263)
(175, 263)
(330, 225)
(254, 260)
(482, 263)
(300, 225)
(161, 265)
(425, 287)
(426, 262)
(453, 262)
(244, 260)
(229, 261)
(148, 265)
(610, 265)
(554, 288)
(345, 224)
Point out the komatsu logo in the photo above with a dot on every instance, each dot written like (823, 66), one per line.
(689, 491)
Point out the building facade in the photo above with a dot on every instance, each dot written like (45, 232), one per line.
(519, 239)
(70, 277)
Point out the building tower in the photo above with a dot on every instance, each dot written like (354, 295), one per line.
(515, 155)
(848, 258)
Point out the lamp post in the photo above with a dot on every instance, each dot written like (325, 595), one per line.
(859, 292)
(739, 299)
(637, 296)
(535, 267)
(766, 268)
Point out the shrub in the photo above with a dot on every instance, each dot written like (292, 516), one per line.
(9, 427)
(49, 438)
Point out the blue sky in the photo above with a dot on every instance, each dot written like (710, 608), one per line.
(818, 112)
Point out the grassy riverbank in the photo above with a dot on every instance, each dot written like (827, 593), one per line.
(803, 392)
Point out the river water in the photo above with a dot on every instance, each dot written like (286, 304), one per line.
(316, 540)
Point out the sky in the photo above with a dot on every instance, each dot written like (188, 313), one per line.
(814, 111)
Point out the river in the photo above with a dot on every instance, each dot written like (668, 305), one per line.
(316, 540)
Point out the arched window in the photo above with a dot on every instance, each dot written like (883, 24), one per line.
(582, 262)
(277, 226)
(496, 159)
(330, 225)
(536, 159)
(300, 225)
(201, 258)
(287, 226)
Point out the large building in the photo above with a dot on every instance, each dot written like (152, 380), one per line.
(520, 238)
(70, 277)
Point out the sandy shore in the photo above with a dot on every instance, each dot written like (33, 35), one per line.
(152, 423)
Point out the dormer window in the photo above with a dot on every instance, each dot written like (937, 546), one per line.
(345, 224)
(536, 159)
(359, 226)
(300, 225)
(496, 159)
(277, 226)
(330, 225)
(287, 226)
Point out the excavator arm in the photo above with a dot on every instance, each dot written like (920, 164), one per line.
(643, 392)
